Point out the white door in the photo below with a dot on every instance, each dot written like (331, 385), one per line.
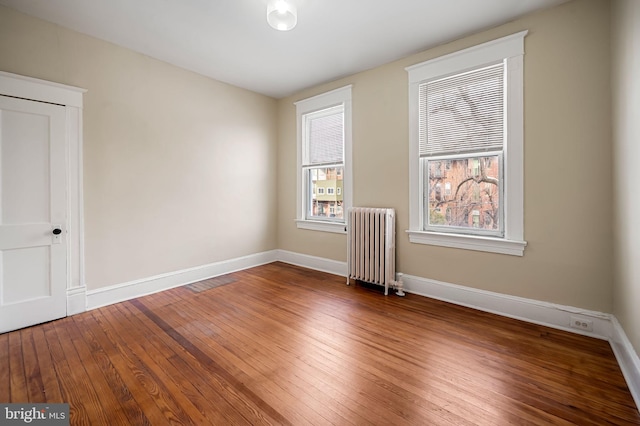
(33, 264)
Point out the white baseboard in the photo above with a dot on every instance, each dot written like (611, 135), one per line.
(543, 313)
(76, 300)
(132, 289)
(627, 359)
(312, 262)
(534, 311)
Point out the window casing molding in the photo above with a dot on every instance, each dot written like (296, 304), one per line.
(511, 50)
(340, 96)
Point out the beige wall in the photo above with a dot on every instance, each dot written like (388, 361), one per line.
(626, 131)
(568, 170)
(178, 168)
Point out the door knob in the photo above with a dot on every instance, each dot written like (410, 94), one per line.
(57, 231)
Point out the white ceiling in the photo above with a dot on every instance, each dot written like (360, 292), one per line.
(230, 40)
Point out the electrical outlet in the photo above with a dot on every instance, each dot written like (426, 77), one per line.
(581, 324)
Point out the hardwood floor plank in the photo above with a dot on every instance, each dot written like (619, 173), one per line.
(233, 362)
(279, 344)
(230, 335)
(268, 369)
(208, 397)
(50, 383)
(272, 328)
(197, 387)
(389, 391)
(85, 384)
(233, 321)
(17, 378)
(516, 322)
(162, 388)
(115, 398)
(5, 369)
(127, 369)
(485, 348)
(73, 385)
(262, 370)
(210, 364)
(35, 387)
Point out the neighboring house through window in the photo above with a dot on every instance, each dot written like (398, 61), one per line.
(324, 160)
(466, 114)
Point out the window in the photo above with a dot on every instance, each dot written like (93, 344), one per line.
(324, 160)
(466, 134)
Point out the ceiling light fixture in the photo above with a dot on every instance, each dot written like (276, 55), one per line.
(282, 14)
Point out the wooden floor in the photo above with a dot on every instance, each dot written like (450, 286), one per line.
(280, 344)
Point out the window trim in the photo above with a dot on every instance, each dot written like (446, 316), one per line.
(340, 96)
(511, 50)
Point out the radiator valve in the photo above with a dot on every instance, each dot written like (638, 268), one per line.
(399, 285)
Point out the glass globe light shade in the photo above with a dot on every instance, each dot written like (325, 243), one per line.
(282, 14)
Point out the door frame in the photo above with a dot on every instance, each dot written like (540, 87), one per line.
(70, 98)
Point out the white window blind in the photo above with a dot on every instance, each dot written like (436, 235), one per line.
(326, 136)
(463, 113)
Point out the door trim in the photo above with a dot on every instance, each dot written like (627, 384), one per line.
(71, 98)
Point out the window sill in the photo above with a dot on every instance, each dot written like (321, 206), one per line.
(313, 225)
(469, 242)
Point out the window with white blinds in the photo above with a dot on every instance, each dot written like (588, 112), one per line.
(466, 148)
(463, 113)
(461, 121)
(324, 160)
